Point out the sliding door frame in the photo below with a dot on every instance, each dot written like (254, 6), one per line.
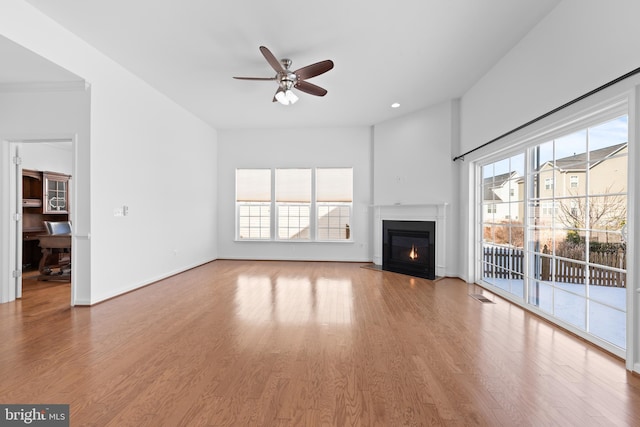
(611, 101)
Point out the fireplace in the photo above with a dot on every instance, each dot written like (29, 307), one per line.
(409, 247)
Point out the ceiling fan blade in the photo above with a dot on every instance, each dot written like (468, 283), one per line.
(310, 88)
(314, 69)
(255, 78)
(271, 59)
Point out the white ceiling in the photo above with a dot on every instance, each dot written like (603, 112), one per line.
(415, 52)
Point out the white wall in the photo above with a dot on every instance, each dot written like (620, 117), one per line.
(144, 151)
(52, 157)
(152, 156)
(578, 47)
(51, 114)
(412, 165)
(338, 147)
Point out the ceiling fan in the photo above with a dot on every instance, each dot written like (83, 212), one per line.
(288, 79)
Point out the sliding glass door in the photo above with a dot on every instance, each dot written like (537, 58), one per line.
(503, 195)
(553, 227)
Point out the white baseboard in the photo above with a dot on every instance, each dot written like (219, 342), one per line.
(118, 292)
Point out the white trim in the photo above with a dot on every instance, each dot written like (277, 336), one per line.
(633, 229)
(15, 207)
(117, 292)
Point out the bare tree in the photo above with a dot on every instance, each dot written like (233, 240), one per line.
(607, 212)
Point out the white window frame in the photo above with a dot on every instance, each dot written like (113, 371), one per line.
(339, 229)
(622, 104)
(313, 206)
(249, 204)
(291, 225)
(260, 228)
(288, 204)
(345, 231)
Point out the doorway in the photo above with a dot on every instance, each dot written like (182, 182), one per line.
(42, 191)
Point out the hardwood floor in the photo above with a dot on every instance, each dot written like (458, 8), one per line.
(302, 343)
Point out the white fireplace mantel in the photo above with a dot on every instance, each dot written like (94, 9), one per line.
(424, 212)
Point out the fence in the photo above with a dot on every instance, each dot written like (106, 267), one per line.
(507, 263)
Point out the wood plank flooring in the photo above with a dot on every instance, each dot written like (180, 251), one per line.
(305, 344)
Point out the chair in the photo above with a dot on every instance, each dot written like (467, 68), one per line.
(58, 227)
(56, 251)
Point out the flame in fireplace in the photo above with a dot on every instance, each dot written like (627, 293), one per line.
(414, 252)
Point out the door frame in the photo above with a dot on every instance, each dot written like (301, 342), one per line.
(11, 201)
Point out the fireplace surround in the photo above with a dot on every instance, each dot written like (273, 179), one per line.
(408, 247)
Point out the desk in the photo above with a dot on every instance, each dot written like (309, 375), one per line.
(49, 243)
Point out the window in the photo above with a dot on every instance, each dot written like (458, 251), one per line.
(548, 184)
(549, 208)
(307, 204)
(293, 201)
(567, 257)
(573, 181)
(334, 194)
(491, 208)
(573, 210)
(253, 203)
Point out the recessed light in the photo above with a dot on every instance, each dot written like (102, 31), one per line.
(395, 105)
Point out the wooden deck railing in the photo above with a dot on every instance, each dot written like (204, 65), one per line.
(507, 263)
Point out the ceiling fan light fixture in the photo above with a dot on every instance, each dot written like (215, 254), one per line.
(286, 97)
(291, 97)
(281, 97)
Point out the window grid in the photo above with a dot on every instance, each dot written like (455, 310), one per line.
(254, 221)
(293, 222)
(313, 204)
(333, 222)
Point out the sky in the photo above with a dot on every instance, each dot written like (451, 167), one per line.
(610, 133)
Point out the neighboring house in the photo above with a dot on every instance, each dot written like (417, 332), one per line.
(499, 191)
(570, 174)
(564, 185)
(582, 191)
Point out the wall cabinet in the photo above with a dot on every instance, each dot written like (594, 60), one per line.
(55, 193)
(45, 197)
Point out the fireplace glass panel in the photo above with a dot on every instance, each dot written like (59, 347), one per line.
(409, 247)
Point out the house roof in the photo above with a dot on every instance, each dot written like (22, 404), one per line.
(578, 162)
(493, 182)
